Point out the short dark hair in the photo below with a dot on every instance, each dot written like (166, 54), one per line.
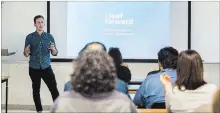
(168, 57)
(189, 70)
(36, 17)
(94, 73)
(116, 55)
(86, 46)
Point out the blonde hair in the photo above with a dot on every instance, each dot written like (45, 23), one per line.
(216, 102)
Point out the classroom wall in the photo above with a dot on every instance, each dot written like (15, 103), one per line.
(20, 83)
(17, 23)
(205, 30)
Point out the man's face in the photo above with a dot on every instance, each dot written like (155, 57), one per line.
(39, 24)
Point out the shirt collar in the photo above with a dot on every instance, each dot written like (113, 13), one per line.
(37, 34)
(167, 69)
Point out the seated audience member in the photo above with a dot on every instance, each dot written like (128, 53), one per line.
(151, 93)
(123, 71)
(190, 90)
(121, 86)
(93, 82)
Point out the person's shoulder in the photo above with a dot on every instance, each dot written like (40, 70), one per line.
(66, 94)
(120, 96)
(122, 100)
(64, 99)
(153, 72)
(30, 35)
(208, 87)
(124, 68)
(204, 108)
(49, 34)
(154, 75)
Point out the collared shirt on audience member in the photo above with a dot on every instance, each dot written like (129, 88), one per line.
(151, 93)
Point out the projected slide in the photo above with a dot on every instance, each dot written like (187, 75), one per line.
(139, 29)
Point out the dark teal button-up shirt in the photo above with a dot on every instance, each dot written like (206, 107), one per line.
(40, 54)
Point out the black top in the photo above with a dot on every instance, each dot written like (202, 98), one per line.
(124, 73)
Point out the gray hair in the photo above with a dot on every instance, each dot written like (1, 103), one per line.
(94, 73)
(93, 46)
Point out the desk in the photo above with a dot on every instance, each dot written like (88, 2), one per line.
(152, 110)
(5, 79)
(132, 90)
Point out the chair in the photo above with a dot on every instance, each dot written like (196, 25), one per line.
(158, 106)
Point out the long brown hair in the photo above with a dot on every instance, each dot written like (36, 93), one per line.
(189, 70)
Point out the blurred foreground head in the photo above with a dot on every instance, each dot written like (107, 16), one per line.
(94, 73)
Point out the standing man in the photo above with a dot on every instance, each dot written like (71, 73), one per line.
(39, 45)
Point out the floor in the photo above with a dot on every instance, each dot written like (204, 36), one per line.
(21, 111)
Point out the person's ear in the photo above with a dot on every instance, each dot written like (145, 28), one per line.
(34, 24)
(160, 66)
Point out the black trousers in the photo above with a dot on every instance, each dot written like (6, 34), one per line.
(49, 78)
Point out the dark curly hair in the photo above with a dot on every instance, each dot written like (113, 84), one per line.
(168, 57)
(116, 55)
(94, 73)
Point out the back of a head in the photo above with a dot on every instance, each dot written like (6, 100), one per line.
(168, 57)
(189, 70)
(94, 73)
(116, 55)
(216, 102)
(93, 46)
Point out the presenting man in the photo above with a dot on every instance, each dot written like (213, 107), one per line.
(39, 45)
